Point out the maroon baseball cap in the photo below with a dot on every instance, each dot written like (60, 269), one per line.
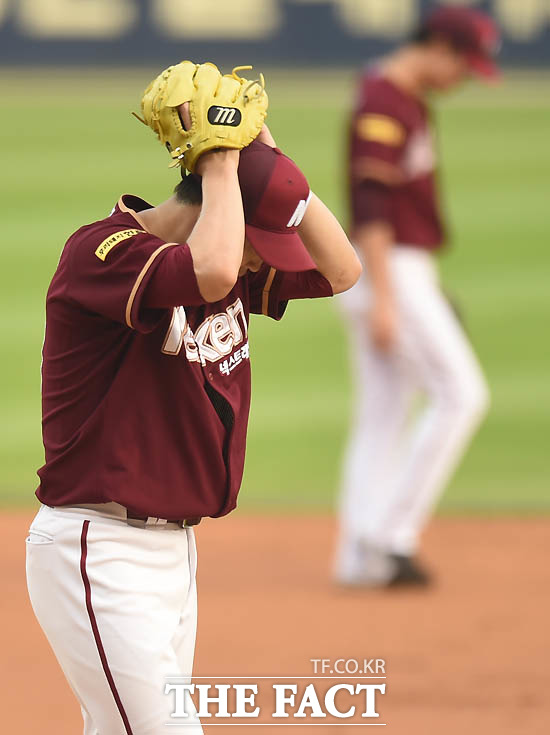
(470, 31)
(275, 198)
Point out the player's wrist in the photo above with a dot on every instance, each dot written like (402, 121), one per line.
(220, 160)
(383, 299)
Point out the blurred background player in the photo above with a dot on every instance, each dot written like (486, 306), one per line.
(405, 338)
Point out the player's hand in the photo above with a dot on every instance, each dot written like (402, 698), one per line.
(265, 136)
(383, 325)
(185, 115)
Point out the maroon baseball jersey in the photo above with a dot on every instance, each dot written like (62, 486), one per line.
(145, 386)
(391, 140)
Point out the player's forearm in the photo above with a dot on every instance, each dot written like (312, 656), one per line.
(329, 246)
(375, 240)
(217, 240)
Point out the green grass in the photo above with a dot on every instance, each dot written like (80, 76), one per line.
(68, 149)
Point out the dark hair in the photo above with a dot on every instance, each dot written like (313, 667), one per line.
(422, 36)
(189, 190)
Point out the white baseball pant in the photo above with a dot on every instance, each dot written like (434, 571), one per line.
(398, 461)
(118, 606)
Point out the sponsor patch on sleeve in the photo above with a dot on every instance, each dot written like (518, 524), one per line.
(381, 129)
(109, 243)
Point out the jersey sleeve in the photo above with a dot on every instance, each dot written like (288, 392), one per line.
(379, 137)
(378, 132)
(270, 290)
(109, 270)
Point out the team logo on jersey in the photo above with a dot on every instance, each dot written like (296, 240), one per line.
(224, 116)
(216, 338)
(109, 243)
(419, 156)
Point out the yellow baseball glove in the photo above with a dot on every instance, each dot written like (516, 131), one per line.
(226, 111)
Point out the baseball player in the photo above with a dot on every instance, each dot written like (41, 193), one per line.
(146, 389)
(405, 338)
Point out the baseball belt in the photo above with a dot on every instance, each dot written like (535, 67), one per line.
(146, 521)
(119, 512)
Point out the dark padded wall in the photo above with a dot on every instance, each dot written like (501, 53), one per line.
(273, 31)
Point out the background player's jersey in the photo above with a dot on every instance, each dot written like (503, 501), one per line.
(391, 141)
(148, 407)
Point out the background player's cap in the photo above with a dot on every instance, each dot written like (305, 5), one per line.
(275, 197)
(470, 31)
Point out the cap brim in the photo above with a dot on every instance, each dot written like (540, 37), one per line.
(484, 66)
(283, 251)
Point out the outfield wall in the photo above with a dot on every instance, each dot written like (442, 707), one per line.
(258, 31)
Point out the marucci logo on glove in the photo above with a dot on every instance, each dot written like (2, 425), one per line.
(224, 116)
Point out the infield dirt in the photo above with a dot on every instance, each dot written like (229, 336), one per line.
(469, 655)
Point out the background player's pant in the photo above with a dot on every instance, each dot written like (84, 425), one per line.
(118, 606)
(398, 461)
